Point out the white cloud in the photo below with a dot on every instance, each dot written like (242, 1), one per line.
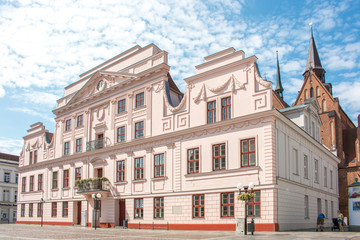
(11, 146)
(348, 93)
(32, 113)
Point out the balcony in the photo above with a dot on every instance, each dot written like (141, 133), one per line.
(91, 185)
(96, 144)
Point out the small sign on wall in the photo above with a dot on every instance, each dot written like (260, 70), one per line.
(356, 206)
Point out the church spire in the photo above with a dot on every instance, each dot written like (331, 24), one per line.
(279, 89)
(313, 61)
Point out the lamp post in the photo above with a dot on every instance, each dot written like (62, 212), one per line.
(96, 198)
(246, 189)
(42, 210)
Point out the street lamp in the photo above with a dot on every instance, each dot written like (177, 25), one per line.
(247, 189)
(42, 210)
(96, 198)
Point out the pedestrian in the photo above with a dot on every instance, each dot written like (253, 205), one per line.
(320, 221)
(340, 220)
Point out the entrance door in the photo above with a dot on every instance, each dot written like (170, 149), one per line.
(121, 212)
(99, 172)
(78, 212)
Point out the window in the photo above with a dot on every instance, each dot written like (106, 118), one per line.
(23, 184)
(121, 134)
(16, 178)
(296, 161)
(227, 205)
(159, 169)
(253, 207)
(139, 100)
(198, 206)
(316, 171)
(30, 158)
(6, 195)
(139, 208)
(211, 112)
(65, 209)
(311, 92)
(53, 209)
(68, 125)
(306, 167)
(139, 168)
(66, 148)
(306, 202)
(6, 177)
(332, 134)
(306, 94)
(332, 209)
(326, 209)
(55, 180)
(31, 208)
(325, 176)
(219, 156)
(78, 173)
(22, 210)
(319, 205)
(121, 105)
(39, 209)
(139, 129)
(120, 172)
(193, 160)
(323, 105)
(248, 152)
(35, 156)
(226, 108)
(79, 121)
(78, 147)
(15, 196)
(317, 91)
(331, 179)
(40, 182)
(66, 178)
(159, 207)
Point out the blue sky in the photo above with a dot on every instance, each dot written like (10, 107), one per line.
(45, 46)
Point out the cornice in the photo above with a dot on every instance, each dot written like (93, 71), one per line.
(162, 139)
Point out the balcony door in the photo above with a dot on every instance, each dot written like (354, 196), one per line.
(99, 172)
(99, 140)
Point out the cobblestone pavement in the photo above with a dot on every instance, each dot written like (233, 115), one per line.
(30, 232)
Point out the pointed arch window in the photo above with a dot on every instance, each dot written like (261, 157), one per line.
(323, 105)
(311, 92)
(305, 94)
(317, 91)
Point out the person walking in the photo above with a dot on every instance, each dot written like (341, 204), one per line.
(340, 220)
(320, 222)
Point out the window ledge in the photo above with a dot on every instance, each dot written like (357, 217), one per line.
(121, 113)
(66, 188)
(79, 127)
(140, 107)
(139, 180)
(54, 189)
(122, 182)
(243, 169)
(159, 178)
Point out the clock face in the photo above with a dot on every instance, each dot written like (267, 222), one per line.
(101, 85)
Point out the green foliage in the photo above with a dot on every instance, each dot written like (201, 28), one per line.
(82, 182)
(247, 197)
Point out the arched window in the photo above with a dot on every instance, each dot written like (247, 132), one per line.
(317, 91)
(311, 92)
(305, 94)
(323, 105)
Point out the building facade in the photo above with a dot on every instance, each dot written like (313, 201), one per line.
(8, 187)
(155, 156)
(338, 132)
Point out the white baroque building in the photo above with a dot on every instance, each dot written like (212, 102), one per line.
(172, 159)
(8, 187)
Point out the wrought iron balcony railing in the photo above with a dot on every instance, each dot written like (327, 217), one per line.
(92, 185)
(96, 144)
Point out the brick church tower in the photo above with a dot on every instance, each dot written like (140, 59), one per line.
(338, 132)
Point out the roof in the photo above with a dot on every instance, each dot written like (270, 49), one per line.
(278, 78)
(9, 157)
(313, 61)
